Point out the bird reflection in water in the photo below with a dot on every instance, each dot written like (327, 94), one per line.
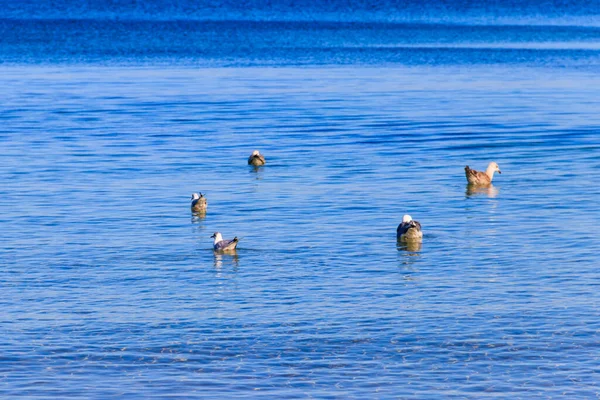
(224, 259)
(408, 255)
(198, 216)
(490, 191)
(412, 247)
(257, 171)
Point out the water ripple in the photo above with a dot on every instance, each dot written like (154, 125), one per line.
(111, 287)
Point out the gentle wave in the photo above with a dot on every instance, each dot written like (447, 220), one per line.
(111, 288)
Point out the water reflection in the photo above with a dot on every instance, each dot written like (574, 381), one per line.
(229, 258)
(409, 254)
(198, 220)
(490, 191)
(198, 217)
(412, 247)
(257, 171)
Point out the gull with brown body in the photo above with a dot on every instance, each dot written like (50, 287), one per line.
(199, 203)
(409, 230)
(256, 159)
(479, 178)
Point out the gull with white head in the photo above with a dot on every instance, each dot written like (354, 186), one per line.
(256, 159)
(409, 230)
(224, 245)
(482, 178)
(199, 203)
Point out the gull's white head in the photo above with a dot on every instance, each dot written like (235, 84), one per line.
(217, 236)
(406, 218)
(255, 153)
(493, 167)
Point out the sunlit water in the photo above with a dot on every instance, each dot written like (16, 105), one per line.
(110, 286)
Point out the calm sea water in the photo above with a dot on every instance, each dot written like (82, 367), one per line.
(110, 286)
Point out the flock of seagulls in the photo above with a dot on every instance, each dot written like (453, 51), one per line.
(409, 231)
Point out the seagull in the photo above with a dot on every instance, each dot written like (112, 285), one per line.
(256, 159)
(482, 178)
(409, 230)
(199, 203)
(224, 245)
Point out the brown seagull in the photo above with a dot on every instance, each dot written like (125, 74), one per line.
(199, 203)
(256, 159)
(409, 230)
(482, 178)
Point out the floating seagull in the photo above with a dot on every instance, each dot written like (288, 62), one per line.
(256, 159)
(224, 245)
(409, 230)
(199, 203)
(482, 178)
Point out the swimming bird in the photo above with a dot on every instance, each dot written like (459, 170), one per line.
(256, 159)
(199, 203)
(409, 230)
(224, 245)
(482, 178)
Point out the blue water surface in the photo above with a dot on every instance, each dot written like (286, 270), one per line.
(111, 116)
